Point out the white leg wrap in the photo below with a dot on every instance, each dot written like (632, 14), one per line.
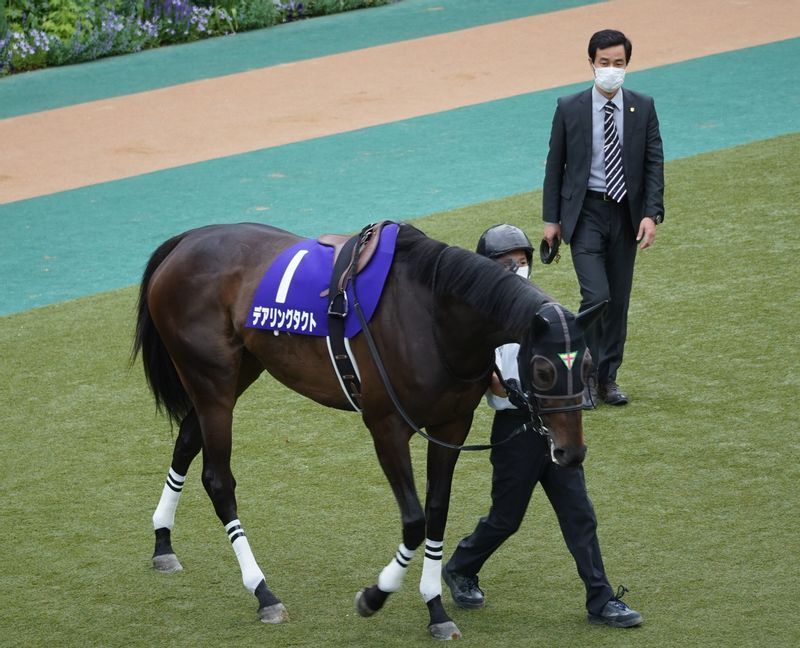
(251, 572)
(391, 576)
(430, 585)
(164, 517)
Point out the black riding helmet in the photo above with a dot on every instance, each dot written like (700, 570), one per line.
(499, 239)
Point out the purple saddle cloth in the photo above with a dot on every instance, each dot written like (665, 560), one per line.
(293, 294)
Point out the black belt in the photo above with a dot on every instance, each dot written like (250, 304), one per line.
(601, 195)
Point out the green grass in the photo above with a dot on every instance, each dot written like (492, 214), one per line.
(695, 483)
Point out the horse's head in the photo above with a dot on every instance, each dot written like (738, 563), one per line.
(554, 366)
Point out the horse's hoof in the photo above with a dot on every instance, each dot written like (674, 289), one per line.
(273, 614)
(362, 608)
(444, 631)
(167, 563)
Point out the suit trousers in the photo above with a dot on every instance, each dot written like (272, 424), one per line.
(517, 466)
(603, 249)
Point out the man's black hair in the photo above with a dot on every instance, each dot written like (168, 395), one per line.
(609, 38)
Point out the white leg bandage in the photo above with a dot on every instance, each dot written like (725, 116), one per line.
(391, 576)
(251, 572)
(164, 517)
(430, 585)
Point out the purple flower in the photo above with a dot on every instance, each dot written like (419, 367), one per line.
(291, 10)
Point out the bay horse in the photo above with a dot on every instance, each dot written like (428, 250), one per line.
(442, 312)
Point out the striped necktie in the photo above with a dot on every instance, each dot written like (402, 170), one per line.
(615, 177)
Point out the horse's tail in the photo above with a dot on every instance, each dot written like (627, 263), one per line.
(160, 372)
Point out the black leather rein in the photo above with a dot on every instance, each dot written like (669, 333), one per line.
(534, 424)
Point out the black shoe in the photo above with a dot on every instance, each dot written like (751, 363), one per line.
(590, 397)
(611, 394)
(616, 614)
(464, 589)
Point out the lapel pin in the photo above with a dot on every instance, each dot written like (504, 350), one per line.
(633, 109)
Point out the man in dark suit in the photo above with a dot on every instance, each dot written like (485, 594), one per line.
(603, 195)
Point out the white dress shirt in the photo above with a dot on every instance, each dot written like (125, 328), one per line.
(506, 359)
(597, 172)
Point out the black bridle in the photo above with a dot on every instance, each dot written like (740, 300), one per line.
(531, 403)
(516, 394)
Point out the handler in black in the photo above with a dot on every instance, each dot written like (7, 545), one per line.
(603, 193)
(517, 466)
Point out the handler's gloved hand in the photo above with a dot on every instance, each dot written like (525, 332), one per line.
(516, 395)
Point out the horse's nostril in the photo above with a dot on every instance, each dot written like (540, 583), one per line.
(570, 456)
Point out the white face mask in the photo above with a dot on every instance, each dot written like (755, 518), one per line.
(523, 271)
(609, 79)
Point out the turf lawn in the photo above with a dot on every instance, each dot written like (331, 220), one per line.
(695, 482)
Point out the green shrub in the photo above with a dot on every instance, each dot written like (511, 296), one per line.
(63, 17)
(39, 33)
(253, 14)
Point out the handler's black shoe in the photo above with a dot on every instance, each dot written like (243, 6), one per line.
(464, 589)
(616, 613)
(612, 394)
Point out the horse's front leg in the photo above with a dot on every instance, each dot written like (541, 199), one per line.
(220, 485)
(187, 445)
(440, 466)
(390, 437)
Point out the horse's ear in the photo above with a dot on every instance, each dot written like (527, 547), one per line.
(586, 319)
(540, 326)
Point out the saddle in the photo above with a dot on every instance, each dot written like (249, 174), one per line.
(351, 254)
(368, 239)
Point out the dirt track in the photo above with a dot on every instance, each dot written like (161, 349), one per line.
(106, 140)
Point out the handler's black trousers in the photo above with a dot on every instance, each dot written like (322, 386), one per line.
(603, 249)
(516, 468)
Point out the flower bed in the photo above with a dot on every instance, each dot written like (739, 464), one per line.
(41, 33)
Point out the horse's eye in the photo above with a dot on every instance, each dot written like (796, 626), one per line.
(587, 366)
(544, 373)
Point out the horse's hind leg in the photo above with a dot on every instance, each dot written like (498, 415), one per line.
(216, 420)
(209, 427)
(214, 399)
(187, 445)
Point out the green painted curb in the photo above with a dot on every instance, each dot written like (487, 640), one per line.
(322, 36)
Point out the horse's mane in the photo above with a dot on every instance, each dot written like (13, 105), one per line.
(492, 291)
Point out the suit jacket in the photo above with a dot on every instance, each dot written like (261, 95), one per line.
(569, 159)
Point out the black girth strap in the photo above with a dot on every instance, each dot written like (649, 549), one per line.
(338, 307)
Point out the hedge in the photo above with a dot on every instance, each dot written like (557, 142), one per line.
(41, 33)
